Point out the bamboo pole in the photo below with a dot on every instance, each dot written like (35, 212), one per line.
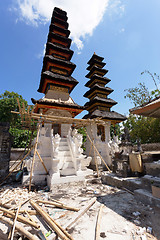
(15, 220)
(63, 119)
(17, 165)
(29, 216)
(48, 220)
(34, 157)
(62, 229)
(42, 161)
(98, 152)
(79, 214)
(95, 157)
(60, 205)
(25, 201)
(5, 192)
(97, 235)
(19, 218)
(19, 228)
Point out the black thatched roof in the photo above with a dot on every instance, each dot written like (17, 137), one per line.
(95, 68)
(49, 58)
(102, 64)
(95, 76)
(51, 102)
(57, 12)
(101, 100)
(59, 78)
(56, 20)
(55, 36)
(59, 49)
(98, 87)
(105, 115)
(95, 57)
(54, 27)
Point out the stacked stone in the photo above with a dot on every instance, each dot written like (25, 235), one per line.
(5, 148)
(57, 67)
(99, 104)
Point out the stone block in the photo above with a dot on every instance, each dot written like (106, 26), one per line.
(146, 197)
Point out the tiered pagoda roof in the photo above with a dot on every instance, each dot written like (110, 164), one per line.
(99, 104)
(57, 67)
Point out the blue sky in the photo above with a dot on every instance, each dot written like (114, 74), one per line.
(125, 33)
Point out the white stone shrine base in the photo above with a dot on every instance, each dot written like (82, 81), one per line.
(36, 179)
(55, 179)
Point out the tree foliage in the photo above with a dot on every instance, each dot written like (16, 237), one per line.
(143, 129)
(8, 103)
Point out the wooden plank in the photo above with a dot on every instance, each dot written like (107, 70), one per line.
(47, 218)
(31, 172)
(63, 119)
(25, 201)
(62, 229)
(19, 228)
(42, 161)
(17, 165)
(59, 205)
(79, 214)
(5, 192)
(15, 220)
(98, 152)
(97, 234)
(19, 218)
(29, 216)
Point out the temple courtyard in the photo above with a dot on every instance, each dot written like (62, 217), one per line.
(122, 216)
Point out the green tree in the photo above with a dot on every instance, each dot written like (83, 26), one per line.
(145, 129)
(82, 131)
(8, 103)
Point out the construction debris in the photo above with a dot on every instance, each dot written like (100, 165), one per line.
(71, 211)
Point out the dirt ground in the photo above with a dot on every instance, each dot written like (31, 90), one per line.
(122, 216)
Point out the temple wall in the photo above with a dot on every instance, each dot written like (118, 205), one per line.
(5, 147)
(51, 94)
(102, 146)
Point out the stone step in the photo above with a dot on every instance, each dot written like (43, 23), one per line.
(146, 197)
(68, 164)
(67, 159)
(64, 154)
(63, 140)
(63, 148)
(153, 168)
(131, 183)
(148, 180)
(63, 144)
(67, 172)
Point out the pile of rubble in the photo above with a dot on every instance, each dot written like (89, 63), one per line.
(79, 211)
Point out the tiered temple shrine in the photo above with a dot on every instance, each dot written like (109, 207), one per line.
(59, 145)
(99, 106)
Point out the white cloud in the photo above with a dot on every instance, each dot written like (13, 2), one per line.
(122, 30)
(83, 15)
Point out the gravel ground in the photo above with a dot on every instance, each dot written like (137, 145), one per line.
(122, 216)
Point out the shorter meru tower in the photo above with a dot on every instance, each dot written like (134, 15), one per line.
(99, 106)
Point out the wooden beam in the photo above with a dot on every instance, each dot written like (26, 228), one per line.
(47, 219)
(19, 228)
(41, 161)
(17, 165)
(97, 151)
(15, 220)
(19, 218)
(79, 214)
(97, 234)
(35, 149)
(59, 205)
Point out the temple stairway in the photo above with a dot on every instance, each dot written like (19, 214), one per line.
(67, 165)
